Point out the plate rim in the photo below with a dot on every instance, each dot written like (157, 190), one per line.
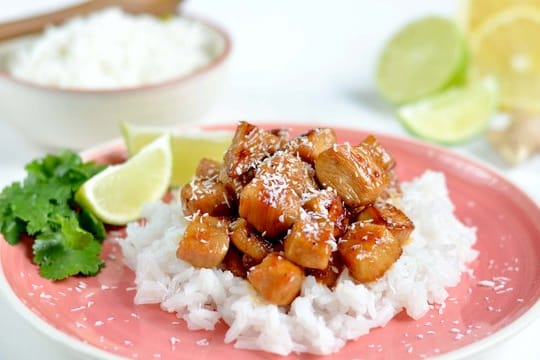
(475, 348)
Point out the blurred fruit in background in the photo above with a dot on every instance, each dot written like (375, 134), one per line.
(424, 57)
(453, 116)
(428, 61)
(474, 13)
(507, 46)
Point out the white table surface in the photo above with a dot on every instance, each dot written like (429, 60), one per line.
(296, 61)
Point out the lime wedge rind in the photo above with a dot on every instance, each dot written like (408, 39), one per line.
(189, 146)
(454, 116)
(117, 194)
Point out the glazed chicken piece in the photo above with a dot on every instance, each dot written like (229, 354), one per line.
(309, 145)
(393, 190)
(208, 168)
(248, 241)
(276, 279)
(233, 262)
(377, 152)
(269, 205)
(330, 275)
(283, 135)
(205, 241)
(328, 204)
(310, 242)
(250, 145)
(298, 175)
(248, 262)
(207, 196)
(233, 185)
(391, 217)
(368, 251)
(271, 201)
(358, 177)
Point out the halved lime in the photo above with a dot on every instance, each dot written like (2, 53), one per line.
(453, 116)
(188, 146)
(423, 58)
(117, 194)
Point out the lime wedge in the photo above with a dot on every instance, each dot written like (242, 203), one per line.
(453, 116)
(117, 194)
(188, 147)
(423, 58)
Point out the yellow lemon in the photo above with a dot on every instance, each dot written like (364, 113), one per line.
(507, 47)
(473, 13)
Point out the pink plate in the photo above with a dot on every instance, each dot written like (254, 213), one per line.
(96, 316)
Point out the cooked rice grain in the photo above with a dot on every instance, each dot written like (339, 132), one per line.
(319, 321)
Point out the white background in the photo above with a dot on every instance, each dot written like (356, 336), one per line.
(296, 61)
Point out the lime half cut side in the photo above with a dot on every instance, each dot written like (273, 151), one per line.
(423, 58)
(188, 146)
(453, 116)
(117, 194)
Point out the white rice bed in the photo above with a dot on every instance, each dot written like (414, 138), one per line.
(320, 320)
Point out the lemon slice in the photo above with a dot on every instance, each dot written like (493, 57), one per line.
(117, 194)
(507, 47)
(474, 13)
(188, 147)
(425, 57)
(453, 116)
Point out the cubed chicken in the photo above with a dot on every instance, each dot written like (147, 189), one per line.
(276, 279)
(205, 241)
(391, 217)
(233, 185)
(245, 238)
(310, 242)
(377, 152)
(207, 196)
(269, 205)
(283, 135)
(208, 168)
(297, 174)
(233, 262)
(309, 145)
(393, 190)
(357, 179)
(368, 251)
(277, 246)
(330, 275)
(271, 201)
(250, 145)
(328, 204)
(248, 262)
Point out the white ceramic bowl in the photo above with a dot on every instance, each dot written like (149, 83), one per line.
(78, 118)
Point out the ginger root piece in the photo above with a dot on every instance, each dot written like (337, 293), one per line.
(519, 140)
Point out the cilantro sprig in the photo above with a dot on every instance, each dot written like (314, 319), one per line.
(67, 238)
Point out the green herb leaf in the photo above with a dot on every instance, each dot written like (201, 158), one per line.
(68, 239)
(92, 224)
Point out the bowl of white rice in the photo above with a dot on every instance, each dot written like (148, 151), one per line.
(73, 84)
